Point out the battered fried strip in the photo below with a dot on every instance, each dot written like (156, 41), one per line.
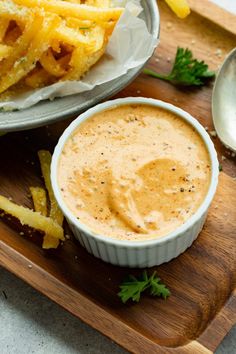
(40, 205)
(72, 36)
(80, 64)
(4, 23)
(84, 12)
(5, 51)
(40, 77)
(32, 218)
(39, 199)
(50, 64)
(55, 213)
(10, 11)
(39, 44)
(22, 43)
(78, 24)
(98, 3)
(45, 163)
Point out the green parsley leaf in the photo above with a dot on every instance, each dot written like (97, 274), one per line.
(132, 287)
(220, 167)
(158, 289)
(186, 70)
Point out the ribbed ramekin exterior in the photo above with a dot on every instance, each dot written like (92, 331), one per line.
(136, 257)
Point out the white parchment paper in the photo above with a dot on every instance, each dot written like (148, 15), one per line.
(129, 46)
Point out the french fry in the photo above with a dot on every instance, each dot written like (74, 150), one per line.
(72, 36)
(78, 24)
(38, 78)
(39, 199)
(45, 163)
(22, 44)
(80, 64)
(10, 11)
(50, 64)
(50, 242)
(4, 23)
(40, 205)
(99, 34)
(32, 218)
(40, 41)
(74, 1)
(180, 7)
(99, 3)
(83, 12)
(5, 51)
(56, 46)
(55, 213)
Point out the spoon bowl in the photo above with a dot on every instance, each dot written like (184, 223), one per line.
(224, 102)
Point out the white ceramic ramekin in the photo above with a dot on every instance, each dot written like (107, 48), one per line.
(138, 253)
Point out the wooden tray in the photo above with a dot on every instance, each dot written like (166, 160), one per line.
(202, 308)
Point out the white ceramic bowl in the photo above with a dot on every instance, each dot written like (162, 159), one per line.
(138, 253)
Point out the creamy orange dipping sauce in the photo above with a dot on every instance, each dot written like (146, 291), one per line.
(134, 172)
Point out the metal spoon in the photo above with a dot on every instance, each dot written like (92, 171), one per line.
(224, 102)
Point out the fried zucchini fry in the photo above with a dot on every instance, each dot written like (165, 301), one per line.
(55, 212)
(38, 45)
(98, 3)
(4, 23)
(45, 163)
(50, 242)
(40, 77)
(50, 64)
(180, 7)
(5, 51)
(78, 24)
(32, 219)
(21, 46)
(80, 64)
(84, 12)
(39, 199)
(9, 10)
(73, 37)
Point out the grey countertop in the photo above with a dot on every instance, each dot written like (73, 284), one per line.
(31, 323)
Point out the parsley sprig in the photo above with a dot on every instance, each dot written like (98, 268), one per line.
(186, 70)
(132, 287)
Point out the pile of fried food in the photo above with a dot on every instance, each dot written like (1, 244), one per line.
(45, 41)
(48, 223)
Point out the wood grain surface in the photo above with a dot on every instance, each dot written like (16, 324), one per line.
(202, 307)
